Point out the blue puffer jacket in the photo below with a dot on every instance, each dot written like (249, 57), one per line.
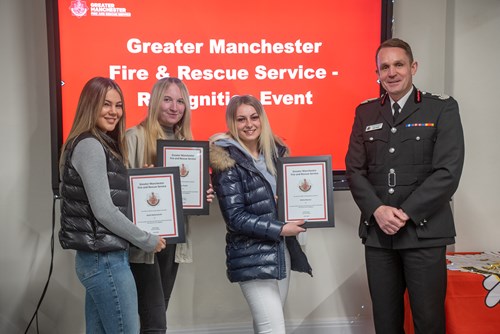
(254, 247)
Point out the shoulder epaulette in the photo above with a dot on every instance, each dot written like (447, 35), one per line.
(369, 100)
(436, 96)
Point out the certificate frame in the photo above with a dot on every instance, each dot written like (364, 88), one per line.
(155, 202)
(191, 158)
(297, 176)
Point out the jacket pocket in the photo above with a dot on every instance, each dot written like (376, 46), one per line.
(420, 141)
(375, 143)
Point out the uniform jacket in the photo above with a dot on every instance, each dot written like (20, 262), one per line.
(414, 164)
(80, 229)
(254, 247)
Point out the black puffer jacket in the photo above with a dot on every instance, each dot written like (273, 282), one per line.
(80, 229)
(254, 247)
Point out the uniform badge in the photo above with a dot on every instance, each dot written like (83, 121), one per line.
(374, 127)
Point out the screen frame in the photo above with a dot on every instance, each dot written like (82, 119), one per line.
(55, 91)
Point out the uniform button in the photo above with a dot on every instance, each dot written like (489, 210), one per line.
(366, 223)
(424, 221)
(391, 191)
(418, 138)
(392, 150)
(394, 130)
(371, 138)
(422, 224)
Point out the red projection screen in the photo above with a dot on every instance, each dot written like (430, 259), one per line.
(310, 63)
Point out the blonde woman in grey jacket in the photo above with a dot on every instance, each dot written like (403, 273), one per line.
(169, 117)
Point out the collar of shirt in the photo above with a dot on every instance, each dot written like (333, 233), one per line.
(401, 101)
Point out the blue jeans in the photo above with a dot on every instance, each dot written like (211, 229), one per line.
(111, 298)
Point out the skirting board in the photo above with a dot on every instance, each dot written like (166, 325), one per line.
(325, 326)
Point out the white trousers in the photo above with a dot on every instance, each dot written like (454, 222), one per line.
(266, 298)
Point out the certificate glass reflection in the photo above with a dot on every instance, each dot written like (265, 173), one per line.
(305, 190)
(155, 202)
(191, 157)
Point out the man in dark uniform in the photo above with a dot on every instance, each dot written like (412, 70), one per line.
(403, 164)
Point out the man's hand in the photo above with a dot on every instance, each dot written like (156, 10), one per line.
(390, 219)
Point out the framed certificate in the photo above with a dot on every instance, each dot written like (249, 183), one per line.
(305, 190)
(156, 202)
(191, 157)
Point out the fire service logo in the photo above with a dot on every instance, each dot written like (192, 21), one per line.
(78, 8)
(153, 199)
(305, 185)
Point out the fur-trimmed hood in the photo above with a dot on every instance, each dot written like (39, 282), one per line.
(220, 159)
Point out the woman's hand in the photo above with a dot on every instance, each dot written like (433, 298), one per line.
(210, 193)
(293, 228)
(148, 166)
(162, 243)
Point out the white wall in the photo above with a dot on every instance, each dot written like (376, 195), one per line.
(456, 44)
(474, 80)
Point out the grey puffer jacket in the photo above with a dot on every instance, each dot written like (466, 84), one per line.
(254, 247)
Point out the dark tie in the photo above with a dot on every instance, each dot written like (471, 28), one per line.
(396, 108)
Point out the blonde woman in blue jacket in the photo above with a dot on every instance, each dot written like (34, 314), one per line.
(260, 250)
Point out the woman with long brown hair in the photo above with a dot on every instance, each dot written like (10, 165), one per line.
(94, 192)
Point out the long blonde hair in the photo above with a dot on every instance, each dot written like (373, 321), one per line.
(267, 140)
(88, 110)
(152, 127)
